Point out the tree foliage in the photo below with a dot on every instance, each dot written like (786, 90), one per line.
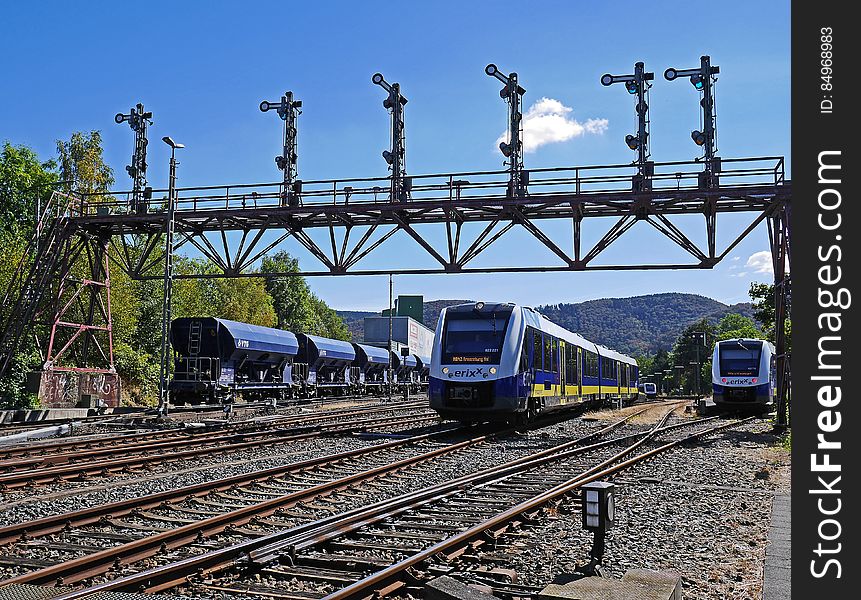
(136, 305)
(82, 165)
(25, 185)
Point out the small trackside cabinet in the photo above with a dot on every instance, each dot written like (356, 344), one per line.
(599, 506)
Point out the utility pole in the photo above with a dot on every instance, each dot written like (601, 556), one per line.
(391, 317)
(168, 281)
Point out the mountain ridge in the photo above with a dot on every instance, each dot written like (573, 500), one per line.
(635, 325)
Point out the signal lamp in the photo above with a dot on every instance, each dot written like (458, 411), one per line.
(633, 141)
(698, 137)
(264, 106)
(697, 81)
(491, 69)
(606, 79)
(119, 118)
(377, 78)
(670, 74)
(388, 156)
(505, 149)
(632, 87)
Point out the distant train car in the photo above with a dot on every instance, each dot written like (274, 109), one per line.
(373, 365)
(504, 362)
(650, 390)
(422, 371)
(216, 358)
(328, 364)
(743, 374)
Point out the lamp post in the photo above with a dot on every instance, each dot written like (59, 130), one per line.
(168, 278)
(699, 337)
(668, 377)
(679, 371)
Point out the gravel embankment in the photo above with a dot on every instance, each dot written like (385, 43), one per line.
(700, 511)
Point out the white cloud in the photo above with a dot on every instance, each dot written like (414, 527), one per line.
(736, 258)
(760, 262)
(548, 121)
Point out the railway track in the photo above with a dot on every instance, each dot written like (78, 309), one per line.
(131, 440)
(80, 464)
(238, 507)
(300, 526)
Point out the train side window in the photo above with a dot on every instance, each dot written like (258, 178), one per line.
(555, 364)
(548, 353)
(537, 350)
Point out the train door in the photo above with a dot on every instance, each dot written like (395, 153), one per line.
(579, 372)
(563, 369)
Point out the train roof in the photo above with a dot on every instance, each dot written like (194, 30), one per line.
(604, 351)
(376, 355)
(329, 348)
(261, 339)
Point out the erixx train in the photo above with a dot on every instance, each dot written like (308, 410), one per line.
(217, 360)
(744, 374)
(504, 362)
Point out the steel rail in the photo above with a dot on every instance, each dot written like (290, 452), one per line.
(56, 523)
(35, 476)
(386, 577)
(169, 575)
(72, 450)
(100, 562)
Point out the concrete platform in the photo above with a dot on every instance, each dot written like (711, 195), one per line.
(639, 584)
(776, 582)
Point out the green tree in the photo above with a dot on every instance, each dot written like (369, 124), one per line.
(762, 295)
(734, 326)
(25, 186)
(297, 309)
(693, 345)
(82, 164)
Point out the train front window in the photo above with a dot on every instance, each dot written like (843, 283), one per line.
(740, 359)
(474, 338)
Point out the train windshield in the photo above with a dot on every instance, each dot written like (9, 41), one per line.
(740, 358)
(474, 338)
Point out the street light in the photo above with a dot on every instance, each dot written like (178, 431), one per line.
(168, 277)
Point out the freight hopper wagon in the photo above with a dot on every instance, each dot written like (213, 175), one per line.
(216, 359)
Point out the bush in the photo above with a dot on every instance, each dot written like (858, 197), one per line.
(139, 373)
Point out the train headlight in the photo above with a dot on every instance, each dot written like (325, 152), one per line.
(493, 370)
(445, 369)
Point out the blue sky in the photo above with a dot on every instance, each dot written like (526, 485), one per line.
(203, 67)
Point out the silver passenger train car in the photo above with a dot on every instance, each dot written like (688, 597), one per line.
(743, 374)
(504, 362)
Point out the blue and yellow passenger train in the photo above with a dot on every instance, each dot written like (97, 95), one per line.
(504, 362)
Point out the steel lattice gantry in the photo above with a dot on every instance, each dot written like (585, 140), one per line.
(232, 226)
(341, 223)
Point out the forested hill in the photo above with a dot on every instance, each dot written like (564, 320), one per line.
(641, 324)
(637, 325)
